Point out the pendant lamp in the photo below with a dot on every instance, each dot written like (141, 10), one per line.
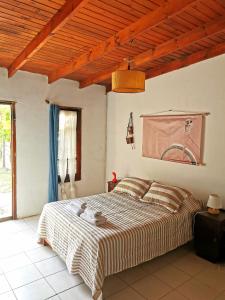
(128, 81)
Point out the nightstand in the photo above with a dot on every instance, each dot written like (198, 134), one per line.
(209, 235)
(111, 185)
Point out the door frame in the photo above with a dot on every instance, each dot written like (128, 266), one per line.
(13, 157)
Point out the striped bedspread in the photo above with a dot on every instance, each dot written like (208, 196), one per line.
(135, 232)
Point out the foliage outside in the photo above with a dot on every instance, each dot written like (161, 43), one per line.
(5, 131)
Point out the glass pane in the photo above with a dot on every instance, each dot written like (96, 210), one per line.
(5, 162)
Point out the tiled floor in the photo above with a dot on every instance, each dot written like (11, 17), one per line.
(29, 271)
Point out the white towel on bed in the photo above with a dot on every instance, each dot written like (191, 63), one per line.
(93, 213)
(94, 221)
(79, 204)
(75, 209)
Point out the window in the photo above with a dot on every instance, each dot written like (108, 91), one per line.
(69, 144)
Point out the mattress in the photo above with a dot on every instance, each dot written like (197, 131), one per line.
(134, 233)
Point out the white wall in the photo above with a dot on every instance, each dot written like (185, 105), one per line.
(200, 87)
(31, 90)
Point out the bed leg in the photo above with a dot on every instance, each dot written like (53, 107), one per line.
(43, 242)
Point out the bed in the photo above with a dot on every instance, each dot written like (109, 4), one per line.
(135, 232)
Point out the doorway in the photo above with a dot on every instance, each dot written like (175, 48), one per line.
(7, 161)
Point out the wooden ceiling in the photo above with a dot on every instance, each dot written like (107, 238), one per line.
(86, 40)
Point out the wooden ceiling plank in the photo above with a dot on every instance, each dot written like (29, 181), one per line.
(18, 7)
(166, 48)
(58, 20)
(44, 5)
(92, 9)
(181, 42)
(149, 20)
(187, 60)
(113, 11)
(94, 24)
(184, 61)
(101, 19)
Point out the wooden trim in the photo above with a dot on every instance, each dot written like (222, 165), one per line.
(13, 158)
(79, 133)
(108, 88)
(150, 20)
(5, 219)
(13, 153)
(164, 49)
(79, 122)
(57, 22)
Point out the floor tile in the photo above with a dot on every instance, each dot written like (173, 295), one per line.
(155, 264)
(194, 290)
(37, 290)
(14, 262)
(80, 292)
(126, 294)
(4, 285)
(192, 264)
(51, 266)
(131, 275)
(32, 222)
(27, 239)
(151, 288)
(221, 296)
(171, 276)
(214, 278)
(40, 254)
(13, 226)
(112, 285)
(23, 276)
(62, 281)
(173, 296)
(10, 246)
(7, 296)
(177, 253)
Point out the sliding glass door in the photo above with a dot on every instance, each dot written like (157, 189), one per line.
(7, 161)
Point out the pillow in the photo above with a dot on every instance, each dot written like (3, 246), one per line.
(135, 187)
(170, 197)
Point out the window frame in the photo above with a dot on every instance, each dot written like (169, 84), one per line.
(78, 144)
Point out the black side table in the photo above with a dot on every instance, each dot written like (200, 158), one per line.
(209, 235)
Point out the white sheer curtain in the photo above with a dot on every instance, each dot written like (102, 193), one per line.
(67, 153)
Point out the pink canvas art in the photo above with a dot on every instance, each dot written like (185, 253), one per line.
(173, 138)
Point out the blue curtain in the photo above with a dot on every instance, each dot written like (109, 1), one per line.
(53, 152)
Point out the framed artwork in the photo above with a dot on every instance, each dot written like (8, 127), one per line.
(175, 138)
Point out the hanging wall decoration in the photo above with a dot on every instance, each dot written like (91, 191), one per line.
(130, 131)
(175, 138)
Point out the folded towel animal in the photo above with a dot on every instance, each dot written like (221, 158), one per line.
(100, 220)
(93, 213)
(79, 204)
(76, 209)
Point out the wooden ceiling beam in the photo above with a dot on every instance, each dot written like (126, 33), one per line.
(102, 75)
(153, 18)
(181, 42)
(187, 60)
(58, 21)
(183, 62)
(164, 49)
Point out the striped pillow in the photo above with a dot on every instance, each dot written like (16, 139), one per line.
(135, 187)
(170, 197)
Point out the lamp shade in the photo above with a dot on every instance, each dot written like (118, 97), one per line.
(214, 201)
(128, 81)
